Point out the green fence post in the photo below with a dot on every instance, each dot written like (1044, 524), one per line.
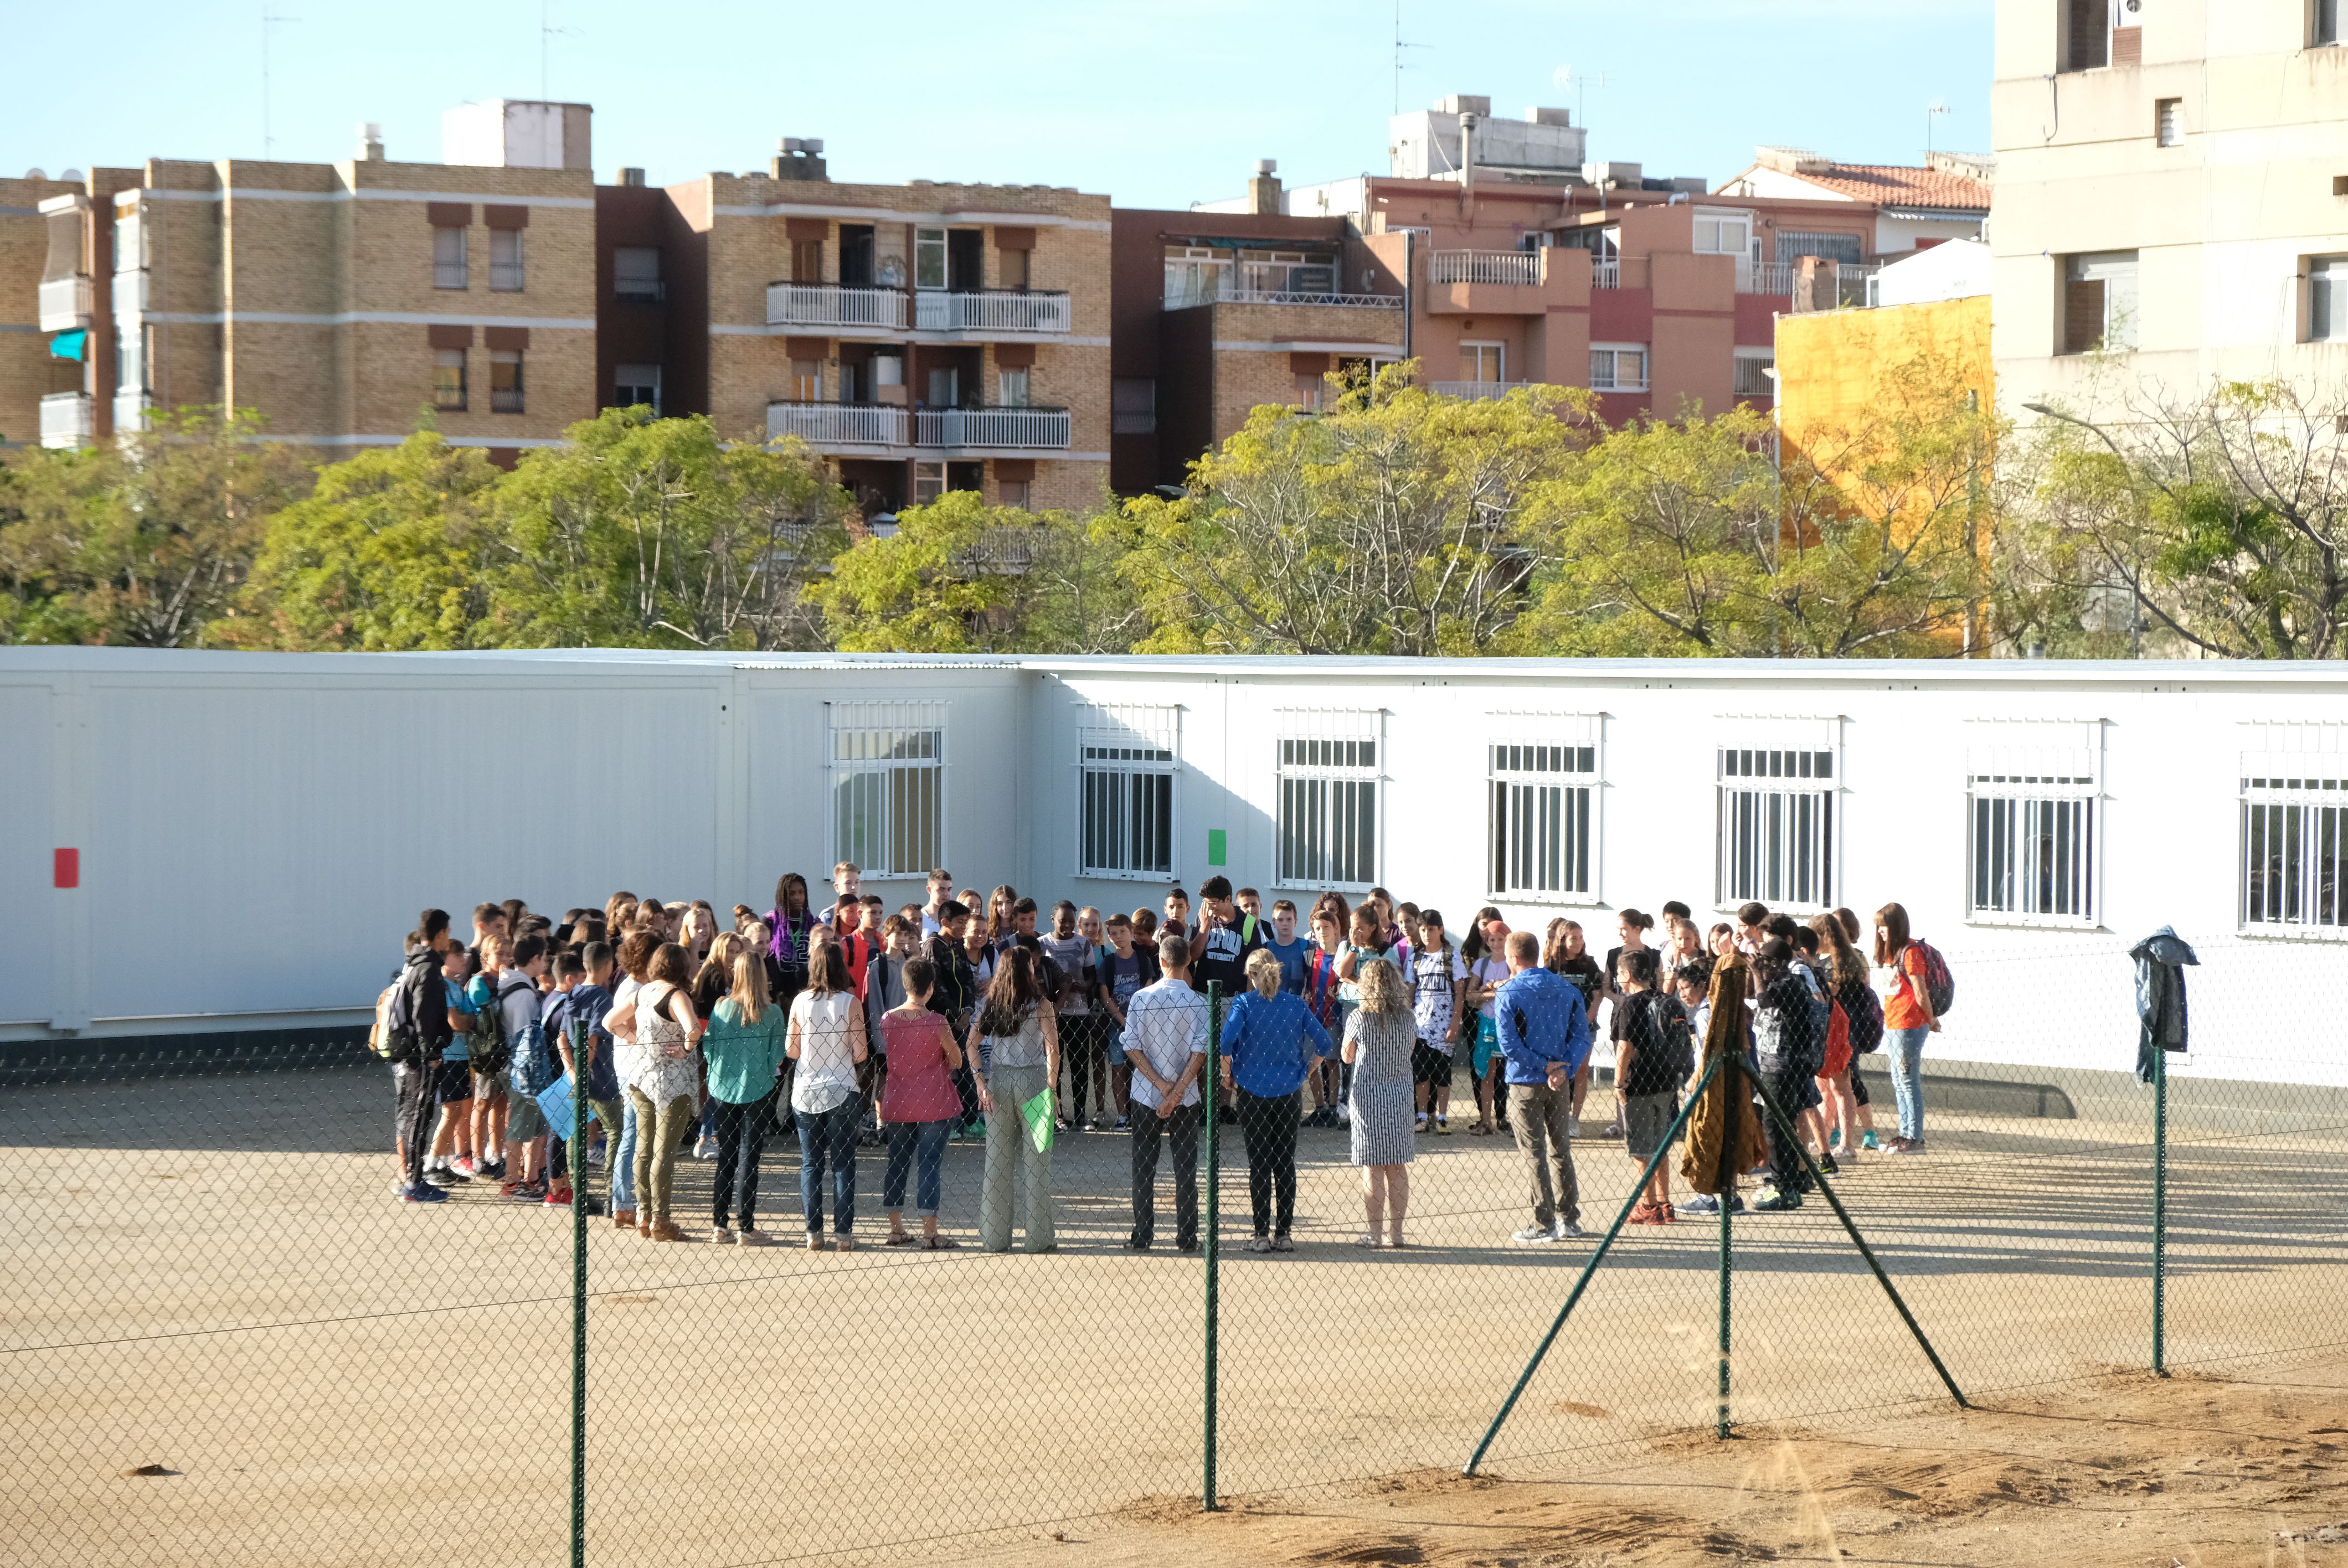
(1211, 1096)
(578, 1044)
(2159, 1211)
(1730, 1121)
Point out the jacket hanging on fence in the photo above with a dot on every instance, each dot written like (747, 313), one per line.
(1725, 1111)
(2161, 960)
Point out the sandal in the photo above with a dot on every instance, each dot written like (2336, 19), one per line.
(939, 1243)
(1368, 1240)
(902, 1238)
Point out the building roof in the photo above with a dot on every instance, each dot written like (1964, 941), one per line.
(1901, 185)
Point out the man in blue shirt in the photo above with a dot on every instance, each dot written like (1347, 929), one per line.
(1545, 1039)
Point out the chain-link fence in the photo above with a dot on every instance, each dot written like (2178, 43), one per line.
(228, 1341)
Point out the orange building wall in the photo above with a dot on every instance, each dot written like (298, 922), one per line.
(1830, 363)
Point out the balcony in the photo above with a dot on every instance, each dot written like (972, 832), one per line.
(835, 306)
(1764, 277)
(506, 400)
(130, 412)
(838, 423)
(1477, 389)
(65, 303)
(65, 419)
(992, 310)
(1212, 280)
(1029, 429)
(505, 277)
(1522, 268)
(1606, 274)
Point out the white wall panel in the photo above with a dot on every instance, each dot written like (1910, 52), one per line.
(29, 906)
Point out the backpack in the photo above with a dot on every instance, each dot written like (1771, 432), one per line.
(1939, 985)
(382, 1038)
(1864, 1010)
(1679, 1039)
(534, 1066)
(490, 1049)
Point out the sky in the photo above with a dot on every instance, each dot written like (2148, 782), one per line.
(1157, 105)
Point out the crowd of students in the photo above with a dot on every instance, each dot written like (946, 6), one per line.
(669, 1027)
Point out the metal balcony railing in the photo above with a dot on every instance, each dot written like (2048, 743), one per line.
(1044, 430)
(65, 303)
(1483, 389)
(992, 310)
(505, 400)
(1764, 277)
(838, 423)
(449, 275)
(505, 277)
(1485, 267)
(834, 305)
(65, 419)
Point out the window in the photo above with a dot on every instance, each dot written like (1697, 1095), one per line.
(929, 258)
(505, 380)
(806, 381)
(1011, 386)
(1721, 233)
(1017, 493)
(1483, 361)
(807, 261)
(448, 258)
(505, 260)
(129, 241)
(945, 388)
(1776, 826)
(1328, 815)
(2168, 122)
(636, 272)
(1793, 246)
(929, 483)
(449, 379)
(2086, 41)
(888, 786)
(2327, 298)
(1543, 811)
(2326, 28)
(1753, 377)
(636, 385)
(1014, 265)
(2294, 848)
(1126, 761)
(130, 361)
(1312, 393)
(2031, 803)
(1618, 367)
(2099, 302)
(1133, 406)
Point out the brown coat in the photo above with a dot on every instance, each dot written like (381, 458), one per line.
(1727, 1100)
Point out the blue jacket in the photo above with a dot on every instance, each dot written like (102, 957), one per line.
(1542, 1019)
(586, 1003)
(1270, 1042)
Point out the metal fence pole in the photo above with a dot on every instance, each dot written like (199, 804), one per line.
(1731, 1076)
(1211, 1093)
(2159, 1211)
(580, 1042)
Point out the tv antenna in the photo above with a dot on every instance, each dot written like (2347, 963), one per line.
(1398, 47)
(268, 19)
(547, 33)
(1580, 82)
(1934, 110)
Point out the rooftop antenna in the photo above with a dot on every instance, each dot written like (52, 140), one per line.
(1398, 47)
(1932, 111)
(268, 19)
(1580, 82)
(547, 33)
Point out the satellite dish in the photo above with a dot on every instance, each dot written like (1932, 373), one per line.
(70, 175)
(34, 174)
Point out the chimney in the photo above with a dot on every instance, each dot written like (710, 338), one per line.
(1468, 123)
(799, 157)
(1263, 191)
(370, 141)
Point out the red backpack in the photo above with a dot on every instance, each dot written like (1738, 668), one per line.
(1939, 985)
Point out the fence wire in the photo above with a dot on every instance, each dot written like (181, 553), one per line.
(228, 1340)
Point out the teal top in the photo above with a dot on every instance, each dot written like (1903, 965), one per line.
(744, 1058)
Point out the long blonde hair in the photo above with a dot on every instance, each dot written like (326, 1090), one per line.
(749, 993)
(1382, 987)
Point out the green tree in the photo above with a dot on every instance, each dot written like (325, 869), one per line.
(145, 541)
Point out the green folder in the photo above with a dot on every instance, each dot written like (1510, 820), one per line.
(1037, 1114)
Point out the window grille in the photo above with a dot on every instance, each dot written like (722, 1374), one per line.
(1126, 760)
(1329, 798)
(2294, 845)
(1544, 814)
(2032, 827)
(1776, 828)
(888, 763)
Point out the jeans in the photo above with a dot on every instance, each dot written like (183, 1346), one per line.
(1009, 1148)
(741, 1139)
(658, 1128)
(919, 1148)
(1785, 1082)
(621, 1159)
(411, 1090)
(1539, 1116)
(1905, 1047)
(1268, 1127)
(608, 1113)
(828, 1138)
(1181, 1128)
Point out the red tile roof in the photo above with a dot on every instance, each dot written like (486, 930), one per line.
(1903, 184)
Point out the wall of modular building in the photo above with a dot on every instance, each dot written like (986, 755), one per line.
(254, 832)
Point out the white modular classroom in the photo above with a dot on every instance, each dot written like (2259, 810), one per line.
(198, 841)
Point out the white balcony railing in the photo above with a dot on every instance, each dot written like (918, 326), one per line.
(1485, 389)
(1764, 277)
(1213, 290)
(837, 424)
(65, 419)
(1606, 274)
(65, 303)
(938, 311)
(834, 305)
(1043, 429)
(130, 412)
(1484, 267)
(1855, 283)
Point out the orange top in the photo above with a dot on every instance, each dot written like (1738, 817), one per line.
(1902, 1008)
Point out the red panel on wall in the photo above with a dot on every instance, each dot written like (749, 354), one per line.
(69, 868)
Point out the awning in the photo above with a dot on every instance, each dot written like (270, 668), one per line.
(70, 345)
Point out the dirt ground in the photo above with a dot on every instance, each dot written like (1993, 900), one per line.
(2126, 1471)
(208, 1275)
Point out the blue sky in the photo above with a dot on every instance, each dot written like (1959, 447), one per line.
(1157, 104)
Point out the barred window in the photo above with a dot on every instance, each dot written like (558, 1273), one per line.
(1543, 817)
(1776, 826)
(1125, 763)
(2032, 835)
(2295, 846)
(1329, 779)
(888, 766)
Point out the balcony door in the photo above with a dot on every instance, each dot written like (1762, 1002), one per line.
(856, 255)
(1485, 364)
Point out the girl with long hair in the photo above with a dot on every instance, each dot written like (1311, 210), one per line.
(743, 1048)
(1380, 1035)
(1907, 1021)
(790, 934)
(1019, 1058)
(660, 1091)
(1483, 952)
(827, 1041)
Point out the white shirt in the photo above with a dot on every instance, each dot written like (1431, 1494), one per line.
(1165, 1024)
(625, 1060)
(827, 1071)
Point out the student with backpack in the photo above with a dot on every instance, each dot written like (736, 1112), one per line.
(1788, 1047)
(1917, 992)
(416, 1025)
(1655, 1052)
(533, 1067)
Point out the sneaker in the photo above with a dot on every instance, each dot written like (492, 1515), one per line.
(1134, 1244)
(1125, 1124)
(1826, 1163)
(1834, 1139)
(1282, 1244)
(751, 1236)
(1259, 1243)
(1190, 1246)
(1532, 1234)
(557, 1198)
(721, 1236)
(1420, 1125)
(423, 1195)
(1574, 1127)
(437, 1177)
(1645, 1212)
(706, 1149)
(1776, 1201)
(462, 1166)
(495, 1170)
(1904, 1146)
(1443, 1126)
(1566, 1231)
(1702, 1204)
(1866, 1141)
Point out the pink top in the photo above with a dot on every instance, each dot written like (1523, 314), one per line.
(920, 1088)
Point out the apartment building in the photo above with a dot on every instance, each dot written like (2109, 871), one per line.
(2172, 198)
(35, 362)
